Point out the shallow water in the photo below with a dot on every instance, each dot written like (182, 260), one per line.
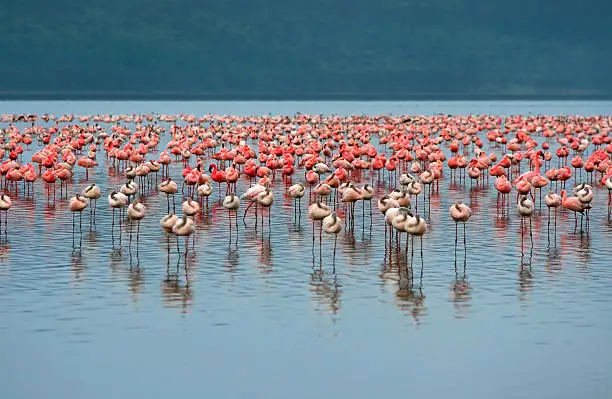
(264, 320)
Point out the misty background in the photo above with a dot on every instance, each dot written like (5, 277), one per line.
(243, 49)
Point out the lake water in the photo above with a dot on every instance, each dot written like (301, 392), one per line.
(265, 320)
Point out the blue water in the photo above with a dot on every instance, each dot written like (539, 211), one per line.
(264, 320)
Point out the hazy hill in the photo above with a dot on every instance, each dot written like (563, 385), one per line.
(306, 48)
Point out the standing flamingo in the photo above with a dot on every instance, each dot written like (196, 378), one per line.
(332, 224)
(217, 176)
(317, 212)
(184, 227)
(585, 196)
(427, 179)
(190, 207)
(573, 204)
(77, 204)
(265, 199)
(367, 193)
(117, 200)
(525, 208)
(251, 195)
(384, 204)
(416, 226)
(168, 222)
(136, 211)
(608, 184)
(296, 192)
(204, 191)
(170, 188)
(552, 200)
(92, 193)
(232, 203)
(129, 189)
(5, 205)
(460, 212)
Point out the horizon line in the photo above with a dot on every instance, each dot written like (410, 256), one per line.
(182, 96)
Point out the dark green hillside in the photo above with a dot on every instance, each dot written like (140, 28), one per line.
(247, 48)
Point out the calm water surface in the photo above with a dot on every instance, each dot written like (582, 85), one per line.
(266, 321)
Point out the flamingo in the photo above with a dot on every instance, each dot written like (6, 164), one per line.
(129, 189)
(460, 212)
(204, 191)
(416, 226)
(414, 189)
(296, 192)
(525, 209)
(585, 196)
(317, 212)
(169, 187)
(332, 224)
(184, 227)
(503, 187)
(92, 193)
(232, 203)
(190, 207)
(265, 199)
(136, 211)
(608, 184)
(251, 194)
(168, 222)
(573, 204)
(427, 179)
(552, 200)
(5, 204)
(351, 195)
(217, 176)
(77, 205)
(367, 193)
(117, 200)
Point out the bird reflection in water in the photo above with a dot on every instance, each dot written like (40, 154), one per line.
(476, 193)
(135, 259)
(135, 283)
(265, 256)
(408, 297)
(526, 257)
(116, 262)
(553, 258)
(176, 293)
(525, 281)
(5, 250)
(584, 251)
(326, 290)
(232, 259)
(461, 292)
(77, 265)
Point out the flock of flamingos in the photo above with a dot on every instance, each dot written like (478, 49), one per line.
(331, 162)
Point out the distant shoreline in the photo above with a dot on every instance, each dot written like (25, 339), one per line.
(170, 96)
